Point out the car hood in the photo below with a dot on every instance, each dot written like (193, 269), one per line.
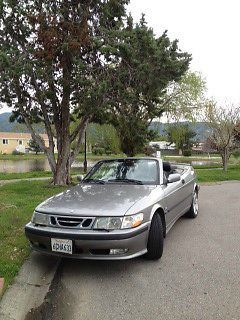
(96, 200)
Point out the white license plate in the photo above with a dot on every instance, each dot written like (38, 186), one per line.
(61, 245)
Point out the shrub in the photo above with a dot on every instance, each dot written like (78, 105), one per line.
(108, 152)
(236, 154)
(149, 150)
(187, 153)
(17, 153)
(98, 151)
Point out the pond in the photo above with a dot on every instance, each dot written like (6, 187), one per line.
(19, 166)
(204, 163)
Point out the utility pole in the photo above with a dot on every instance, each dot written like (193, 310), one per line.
(85, 153)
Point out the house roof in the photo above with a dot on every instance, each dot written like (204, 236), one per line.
(19, 136)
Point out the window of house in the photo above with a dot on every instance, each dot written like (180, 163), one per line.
(20, 142)
(5, 141)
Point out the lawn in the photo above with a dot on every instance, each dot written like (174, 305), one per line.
(17, 202)
(216, 175)
(80, 157)
(27, 156)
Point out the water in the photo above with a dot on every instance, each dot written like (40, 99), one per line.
(204, 163)
(19, 166)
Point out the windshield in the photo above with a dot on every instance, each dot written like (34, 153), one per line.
(135, 171)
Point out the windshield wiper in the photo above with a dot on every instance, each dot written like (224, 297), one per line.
(126, 181)
(94, 181)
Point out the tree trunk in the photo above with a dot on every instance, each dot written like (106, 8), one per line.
(225, 158)
(61, 174)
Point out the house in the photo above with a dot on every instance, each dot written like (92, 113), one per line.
(163, 145)
(11, 141)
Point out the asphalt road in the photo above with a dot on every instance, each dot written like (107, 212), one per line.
(198, 276)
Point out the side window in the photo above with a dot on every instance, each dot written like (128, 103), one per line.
(165, 179)
(5, 141)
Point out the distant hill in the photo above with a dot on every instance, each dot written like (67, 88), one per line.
(7, 126)
(200, 128)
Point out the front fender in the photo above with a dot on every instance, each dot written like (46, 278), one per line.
(156, 207)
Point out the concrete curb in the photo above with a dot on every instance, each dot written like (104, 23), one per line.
(219, 182)
(29, 288)
(1, 285)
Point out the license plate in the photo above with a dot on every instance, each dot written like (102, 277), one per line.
(61, 245)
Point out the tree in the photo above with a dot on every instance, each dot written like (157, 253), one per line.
(147, 65)
(34, 146)
(102, 136)
(182, 136)
(185, 99)
(54, 61)
(209, 146)
(223, 124)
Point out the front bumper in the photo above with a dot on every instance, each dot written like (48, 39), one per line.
(91, 244)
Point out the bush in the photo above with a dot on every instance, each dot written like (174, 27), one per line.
(98, 151)
(17, 153)
(236, 154)
(149, 150)
(108, 152)
(187, 153)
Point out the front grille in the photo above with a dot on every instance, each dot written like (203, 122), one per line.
(71, 222)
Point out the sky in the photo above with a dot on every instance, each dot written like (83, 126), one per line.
(209, 30)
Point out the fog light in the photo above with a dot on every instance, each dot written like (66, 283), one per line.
(118, 251)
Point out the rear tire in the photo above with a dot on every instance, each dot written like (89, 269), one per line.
(193, 211)
(155, 239)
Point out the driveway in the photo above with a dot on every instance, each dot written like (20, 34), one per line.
(198, 276)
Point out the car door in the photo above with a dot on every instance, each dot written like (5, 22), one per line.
(173, 196)
(186, 191)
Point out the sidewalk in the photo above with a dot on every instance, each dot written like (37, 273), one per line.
(29, 288)
(3, 182)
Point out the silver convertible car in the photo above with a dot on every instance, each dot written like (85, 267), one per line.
(122, 208)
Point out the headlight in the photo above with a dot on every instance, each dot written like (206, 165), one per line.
(39, 218)
(132, 221)
(116, 223)
(108, 223)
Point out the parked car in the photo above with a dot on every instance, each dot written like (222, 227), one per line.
(122, 209)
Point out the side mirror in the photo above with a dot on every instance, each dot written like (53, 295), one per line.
(80, 178)
(174, 177)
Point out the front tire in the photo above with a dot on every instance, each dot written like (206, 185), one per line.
(155, 239)
(193, 211)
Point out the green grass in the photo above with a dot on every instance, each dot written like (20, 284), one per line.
(216, 175)
(42, 156)
(17, 202)
(22, 156)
